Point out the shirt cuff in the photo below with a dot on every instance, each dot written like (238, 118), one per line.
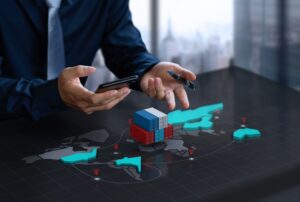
(46, 99)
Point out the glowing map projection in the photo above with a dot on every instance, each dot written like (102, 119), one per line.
(198, 133)
(243, 133)
(67, 148)
(195, 119)
(134, 162)
(80, 157)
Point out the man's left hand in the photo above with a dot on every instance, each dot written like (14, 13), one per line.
(157, 83)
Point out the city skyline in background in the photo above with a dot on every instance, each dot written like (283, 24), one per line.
(194, 33)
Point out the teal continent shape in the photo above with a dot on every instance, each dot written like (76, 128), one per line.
(80, 157)
(134, 162)
(243, 133)
(195, 119)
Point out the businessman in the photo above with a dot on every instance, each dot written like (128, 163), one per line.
(47, 47)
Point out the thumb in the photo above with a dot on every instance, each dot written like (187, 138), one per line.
(188, 75)
(185, 73)
(79, 71)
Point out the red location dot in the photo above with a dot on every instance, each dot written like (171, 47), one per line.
(96, 172)
(116, 146)
(244, 119)
(191, 151)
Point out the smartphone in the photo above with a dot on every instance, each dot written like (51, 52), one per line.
(118, 84)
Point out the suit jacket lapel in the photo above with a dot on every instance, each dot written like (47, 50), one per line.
(37, 14)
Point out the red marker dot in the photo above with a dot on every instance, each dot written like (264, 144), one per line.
(96, 172)
(191, 151)
(244, 119)
(116, 146)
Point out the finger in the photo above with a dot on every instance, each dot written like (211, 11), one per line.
(106, 106)
(151, 88)
(182, 96)
(170, 99)
(159, 88)
(115, 102)
(121, 93)
(106, 97)
(95, 98)
(78, 71)
(114, 96)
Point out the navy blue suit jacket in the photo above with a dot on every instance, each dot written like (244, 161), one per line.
(87, 26)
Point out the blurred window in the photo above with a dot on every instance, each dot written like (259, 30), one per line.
(141, 18)
(198, 34)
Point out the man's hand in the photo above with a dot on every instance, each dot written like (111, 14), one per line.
(157, 83)
(76, 96)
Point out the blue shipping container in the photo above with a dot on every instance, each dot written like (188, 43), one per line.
(146, 120)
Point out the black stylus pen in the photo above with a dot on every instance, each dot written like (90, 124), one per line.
(185, 82)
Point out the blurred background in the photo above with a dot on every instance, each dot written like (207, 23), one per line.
(267, 39)
(187, 32)
(261, 36)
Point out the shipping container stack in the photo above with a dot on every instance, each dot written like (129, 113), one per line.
(150, 126)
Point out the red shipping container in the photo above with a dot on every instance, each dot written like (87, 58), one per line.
(140, 135)
(169, 132)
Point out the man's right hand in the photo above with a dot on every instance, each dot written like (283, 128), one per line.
(76, 96)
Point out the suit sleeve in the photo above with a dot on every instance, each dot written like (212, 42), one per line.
(124, 51)
(36, 97)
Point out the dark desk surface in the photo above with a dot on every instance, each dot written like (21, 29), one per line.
(263, 169)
